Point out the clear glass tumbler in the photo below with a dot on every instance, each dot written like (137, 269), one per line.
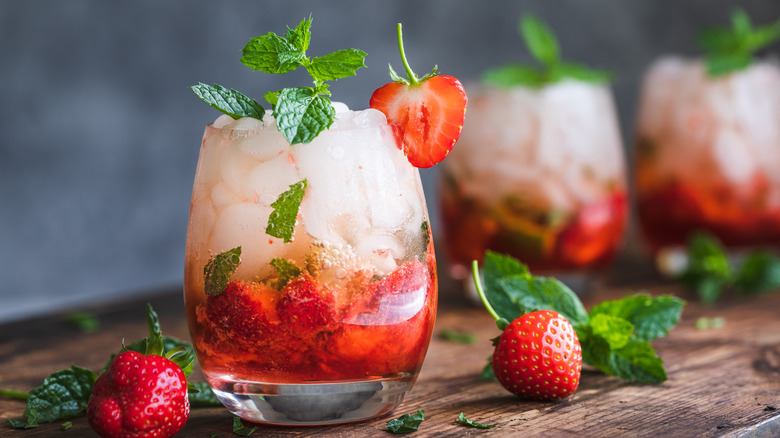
(707, 154)
(538, 174)
(332, 326)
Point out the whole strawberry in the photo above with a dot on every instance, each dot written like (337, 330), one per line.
(428, 112)
(538, 356)
(141, 395)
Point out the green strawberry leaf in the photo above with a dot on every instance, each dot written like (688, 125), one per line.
(281, 222)
(540, 40)
(337, 65)
(651, 317)
(230, 102)
(406, 423)
(218, 270)
(201, 395)
(468, 423)
(285, 271)
(62, 395)
(301, 114)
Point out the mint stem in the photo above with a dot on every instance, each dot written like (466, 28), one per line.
(11, 393)
(409, 73)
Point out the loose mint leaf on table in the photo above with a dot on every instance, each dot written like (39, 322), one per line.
(732, 49)
(30, 420)
(406, 423)
(281, 222)
(543, 45)
(758, 273)
(201, 395)
(466, 422)
(241, 430)
(230, 102)
(614, 335)
(62, 395)
(709, 268)
(219, 269)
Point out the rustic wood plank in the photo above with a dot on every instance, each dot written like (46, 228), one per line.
(722, 382)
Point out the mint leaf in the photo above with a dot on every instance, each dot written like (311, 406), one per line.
(300, 37)
(466, 422)
(456, 336)
(651, 317)
(201, 395)
(301, 114)
(271, 53)
(230, 102)
(720, 64)
(709, 268)
(281, 222)
(241, 430)
(487, 371)
(337, 65)
(62, 395)
(539, 39)
(614, 330)
(285, 270)
(84, 321)
(581, 73)
(514, 75)
(406, 423)
(637, 362)
(758, 273)
(30, 421)
(219, 269)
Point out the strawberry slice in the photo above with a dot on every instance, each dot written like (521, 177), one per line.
(427, 111)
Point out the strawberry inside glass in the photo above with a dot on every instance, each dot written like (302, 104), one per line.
(707, 154)
(538, 174)
(349, 300)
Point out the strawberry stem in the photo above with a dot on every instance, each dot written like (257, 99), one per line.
(481, 290)
(409, 73)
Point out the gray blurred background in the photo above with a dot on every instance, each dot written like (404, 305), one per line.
(99, 133)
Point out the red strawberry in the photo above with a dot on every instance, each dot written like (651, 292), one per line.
(428, 112)
(244, 311)
(539, 356)
(142, 394)
(305, 306)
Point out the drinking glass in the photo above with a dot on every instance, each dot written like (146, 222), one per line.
(707, 154)
(538, 174)
(333, 325)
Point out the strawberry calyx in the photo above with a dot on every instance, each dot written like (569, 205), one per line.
(155, 345)
(411, 78)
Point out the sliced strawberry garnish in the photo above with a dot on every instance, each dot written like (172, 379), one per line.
(428, 112)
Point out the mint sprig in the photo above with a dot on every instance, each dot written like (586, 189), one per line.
(614, 335)
(710, 272)
(301, 113)
(285, 271)
(543, 46)
(281, 222)
(730, 49)
(218, 270)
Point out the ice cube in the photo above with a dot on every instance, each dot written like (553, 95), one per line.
(222, 195)
(267, 180)
(235, 164)
(381, 250)
(222, 121)
(734, 156)
(340, 107)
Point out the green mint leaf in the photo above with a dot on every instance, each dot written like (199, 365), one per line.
(66, 425)
(201, 395)
(706, 323)
(62, 395)
(731, 49)
(230, 102)
(84, 321)
(717, 40)
(272, 97)
(758, 273)
(614, 330)
(468, 423)
(581, 73)
(651, 317)
(29, 422)
(721, 64)
(241, 430)
(515, 75)
(453, 335)
(337, 65)
(540, 40)
(740, 22)
(635, 361)
(709, 267)
(406, 423)
(281, 222)
(301, 114)
(285, 270)
(300, 37)
(219, 269)
(487, 373)
(271, 53)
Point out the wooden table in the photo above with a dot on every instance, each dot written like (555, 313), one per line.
(722, 382)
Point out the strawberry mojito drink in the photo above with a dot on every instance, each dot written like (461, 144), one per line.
(539, 172)
(310, 279)
(708, 142)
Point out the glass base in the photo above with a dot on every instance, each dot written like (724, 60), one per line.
(311, 404)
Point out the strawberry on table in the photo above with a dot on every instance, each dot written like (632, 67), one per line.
(142, 395)
(427, 111)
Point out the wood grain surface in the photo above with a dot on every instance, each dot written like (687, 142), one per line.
(722, 382)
